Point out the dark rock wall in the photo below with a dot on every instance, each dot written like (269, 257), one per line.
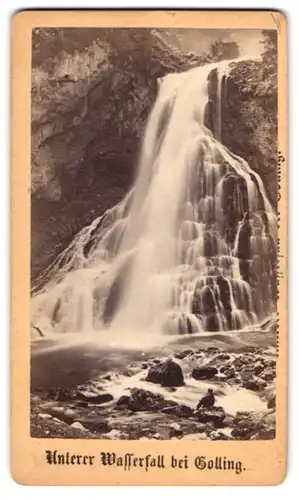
(249, 119)
(92, 91)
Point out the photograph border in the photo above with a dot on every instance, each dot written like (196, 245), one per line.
(265, 461)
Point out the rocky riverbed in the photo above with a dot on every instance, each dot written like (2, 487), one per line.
(157, 396)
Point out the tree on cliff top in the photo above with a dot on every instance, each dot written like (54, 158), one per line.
(221, 50)
(268, 80)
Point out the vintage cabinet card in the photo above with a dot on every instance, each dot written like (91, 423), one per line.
(149, 248)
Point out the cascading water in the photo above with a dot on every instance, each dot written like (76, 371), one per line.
(191, 248)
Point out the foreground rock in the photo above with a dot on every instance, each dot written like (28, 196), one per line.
(168, 374)
(204, 372)
(141, 400)
(177, 410)
(215, 415)
(254, 426)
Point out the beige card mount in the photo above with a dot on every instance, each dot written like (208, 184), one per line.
(149, 248)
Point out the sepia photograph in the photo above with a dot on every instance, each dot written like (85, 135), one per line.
(154, 191)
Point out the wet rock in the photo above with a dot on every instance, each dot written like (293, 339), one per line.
(129, 372)
(251, 385)
(66, 395)
(261, 383)
(115, 434)
(219, 436)
(228, 421)
(195, 437)
(57, 420)
(229, 372)
(181, 411)
(246, 375)
(213, 349)
(249, 424)
(174, 432)
(153, 374)
(263, 435)
(237, 381)
(123, 401)
(100, 398)
(268, 375)
(62, 416)
(44, 416)
(239, 362)
(272, 403)
(70, 413)
(168, 374)
(82, 404)
(204, 372)
(207, 401)
(78, 425)
(96, 425)
(258, 368)
(222, 357)
(183, 354)
(215, 415)
(141, 400)
(156, 361)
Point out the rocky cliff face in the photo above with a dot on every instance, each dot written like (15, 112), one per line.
(92, 91)
(250, 121)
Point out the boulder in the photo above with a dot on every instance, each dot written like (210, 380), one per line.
(213, 350)
(184, 354)
(272, 403)
(64, 395)
(123, 401)
(222, 357)
(219, 436)
(215, 415)
(96, 424)
(195, 437)
(251, 385)
(249, 425)
(181, 411)
(263, 435)
(246, 375)
(229, 372)
(175, 430)
(268, 375)
(141, 400)
(204, 372)
(44, 416)
(60, 414)
(100, 398)
(115, 434)
(258, 368)
(168, 374)
(81, 404)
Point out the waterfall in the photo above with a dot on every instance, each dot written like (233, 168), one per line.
(191, 248)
